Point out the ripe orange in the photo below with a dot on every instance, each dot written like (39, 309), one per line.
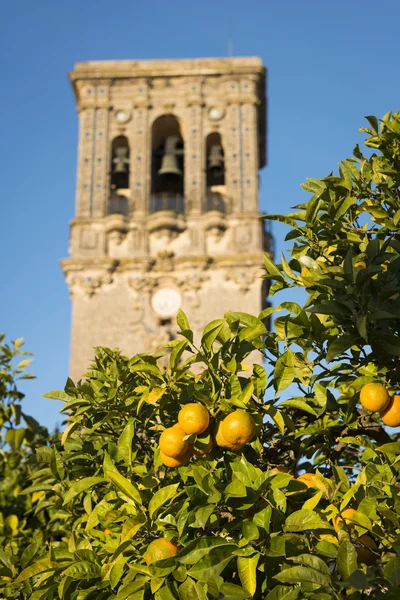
(221, 441)
(361, 264)
(308, 479)
(348, 512)
(159, 550)
(176, 462)
(172, 443)
(391, 413)
(193, 418)
(107, 531)
(374, 396)
(238, 428)
(364, 555)
(205, 450)
(282, 470)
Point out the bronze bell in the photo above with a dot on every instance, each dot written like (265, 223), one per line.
(169, 164)
(216, 158)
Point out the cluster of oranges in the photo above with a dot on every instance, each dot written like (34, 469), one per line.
(232, 432)
(375, 397)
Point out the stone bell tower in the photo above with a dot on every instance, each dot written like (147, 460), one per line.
(167, 212)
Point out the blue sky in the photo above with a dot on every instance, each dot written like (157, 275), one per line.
(329, 65)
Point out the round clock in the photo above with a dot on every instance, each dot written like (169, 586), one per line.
(122, 116)
(166, 302)
(215, 113)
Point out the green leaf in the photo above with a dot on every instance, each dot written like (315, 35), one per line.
(247, 569)
(182, 320)
(231, 591)
(176, 353)
(125, 442)
(392, 571)
(309, 560)
(81, 486)
(342, 344)
(195, 550)
(299, 405)
(282, 592)
(125, 486)
(190, 590)
(40, 566)
(161, 497)
(284, 373)
(347, 559)
(202, 515)
(390, 448)
(144, 367)
(127, 592)
(302, 520)
(165, 593)
(211, 333)
(58, 395)
(303, 575)
(272, 269)
(82, 570)
(30, 551)
(213, 563)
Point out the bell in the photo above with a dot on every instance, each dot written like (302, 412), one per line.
(169, 164)
(216, 158)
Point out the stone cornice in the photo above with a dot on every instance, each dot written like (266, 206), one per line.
(140, 263)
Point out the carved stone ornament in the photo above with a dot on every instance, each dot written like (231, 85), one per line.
(87, 285)
(193, 281)
(143, 284)
(244, 278)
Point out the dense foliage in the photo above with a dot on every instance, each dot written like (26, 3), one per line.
(244, 522)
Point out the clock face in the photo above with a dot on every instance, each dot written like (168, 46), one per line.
(166, 302)
(215, 113)
(122, 116)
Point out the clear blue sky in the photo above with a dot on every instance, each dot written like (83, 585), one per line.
(330, 63)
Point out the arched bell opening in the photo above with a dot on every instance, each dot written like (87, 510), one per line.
(119, 180)
(215, 172)
(120, 163)
(167, 165)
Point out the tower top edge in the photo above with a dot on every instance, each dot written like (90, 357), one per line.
(166, 67)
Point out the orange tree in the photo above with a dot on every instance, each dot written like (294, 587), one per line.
(288, 487)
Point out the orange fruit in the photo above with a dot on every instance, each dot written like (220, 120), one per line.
(390, 415)
(282, 470)
(172, 443)
(345, 515)
(193, 418)
(364, 555)
(308, 479)
(107, 531)
(178, 461)
(361, 264)
(159, 550)
(238, 428)
(221, 441)
(374, 396)
(204, 450)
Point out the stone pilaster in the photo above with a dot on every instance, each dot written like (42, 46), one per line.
(101, 158)
(87, 120)
(194, 157)
(249, 149)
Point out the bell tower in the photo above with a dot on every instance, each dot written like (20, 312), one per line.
(167, 212)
